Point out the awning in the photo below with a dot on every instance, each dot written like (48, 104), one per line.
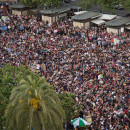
(86, 16)
(80, 12)
(128, 27)
(128, 23)
(98, 21)
(107, 17)
(120, 21)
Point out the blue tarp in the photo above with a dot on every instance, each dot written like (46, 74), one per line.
(3, 27)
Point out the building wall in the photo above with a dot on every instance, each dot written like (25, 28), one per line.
(77, 24)
(25, 12)
(80, 24)
(54, 19)
(16, 12)
(49, 18)
(19, 13)
(113, 30)
(62, 15)
(87, 24)
(46, 18)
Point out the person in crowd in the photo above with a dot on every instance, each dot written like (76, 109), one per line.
(88, 62)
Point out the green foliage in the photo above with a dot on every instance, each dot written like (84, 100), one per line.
(50, 3)
(104, 4)
(126, 4)
(86, 4)
(33, 103)
(3, 103)
(69, 105)
(9, 78)
(30, 3)
(35, 3)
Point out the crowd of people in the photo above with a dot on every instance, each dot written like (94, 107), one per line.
(88, 62)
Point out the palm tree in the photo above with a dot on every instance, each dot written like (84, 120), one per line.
(34, 104)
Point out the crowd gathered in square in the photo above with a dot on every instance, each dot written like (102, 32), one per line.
(88, 62)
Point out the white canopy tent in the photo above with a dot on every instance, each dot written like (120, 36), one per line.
(80, 12)
(107, 17)
(98, 21)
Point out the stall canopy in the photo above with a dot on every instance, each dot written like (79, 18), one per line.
(98, 21)
(121, 21)
(128, 23)
(107, 17)
(128, 27)
(80, 12)
(86, 16)
(55, 11)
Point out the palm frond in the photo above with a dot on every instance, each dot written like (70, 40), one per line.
(34, 104)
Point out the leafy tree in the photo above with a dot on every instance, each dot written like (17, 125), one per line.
(30, 3)
(35, 3)
(9, 78)
(34, 104)
(69, 105)
(126, 4)
(86, 4)
(50, 3)
(3, 103)
(104, 4)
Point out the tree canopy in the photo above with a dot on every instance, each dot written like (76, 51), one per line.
(34, 104)
(50, 3)
(69, 105)
(10, 76)
(30, 3)
(42, 3)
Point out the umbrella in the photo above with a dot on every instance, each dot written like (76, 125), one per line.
(79, 122)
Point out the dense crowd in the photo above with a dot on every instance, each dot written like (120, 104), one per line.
(89, 62)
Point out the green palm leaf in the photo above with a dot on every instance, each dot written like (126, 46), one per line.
(34, 104)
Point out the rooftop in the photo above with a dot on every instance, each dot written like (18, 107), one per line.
(107, 17)
(36, 9)
(75, 7)
(18, 6)
(53, 10)
(86, 15)
(119, 21)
